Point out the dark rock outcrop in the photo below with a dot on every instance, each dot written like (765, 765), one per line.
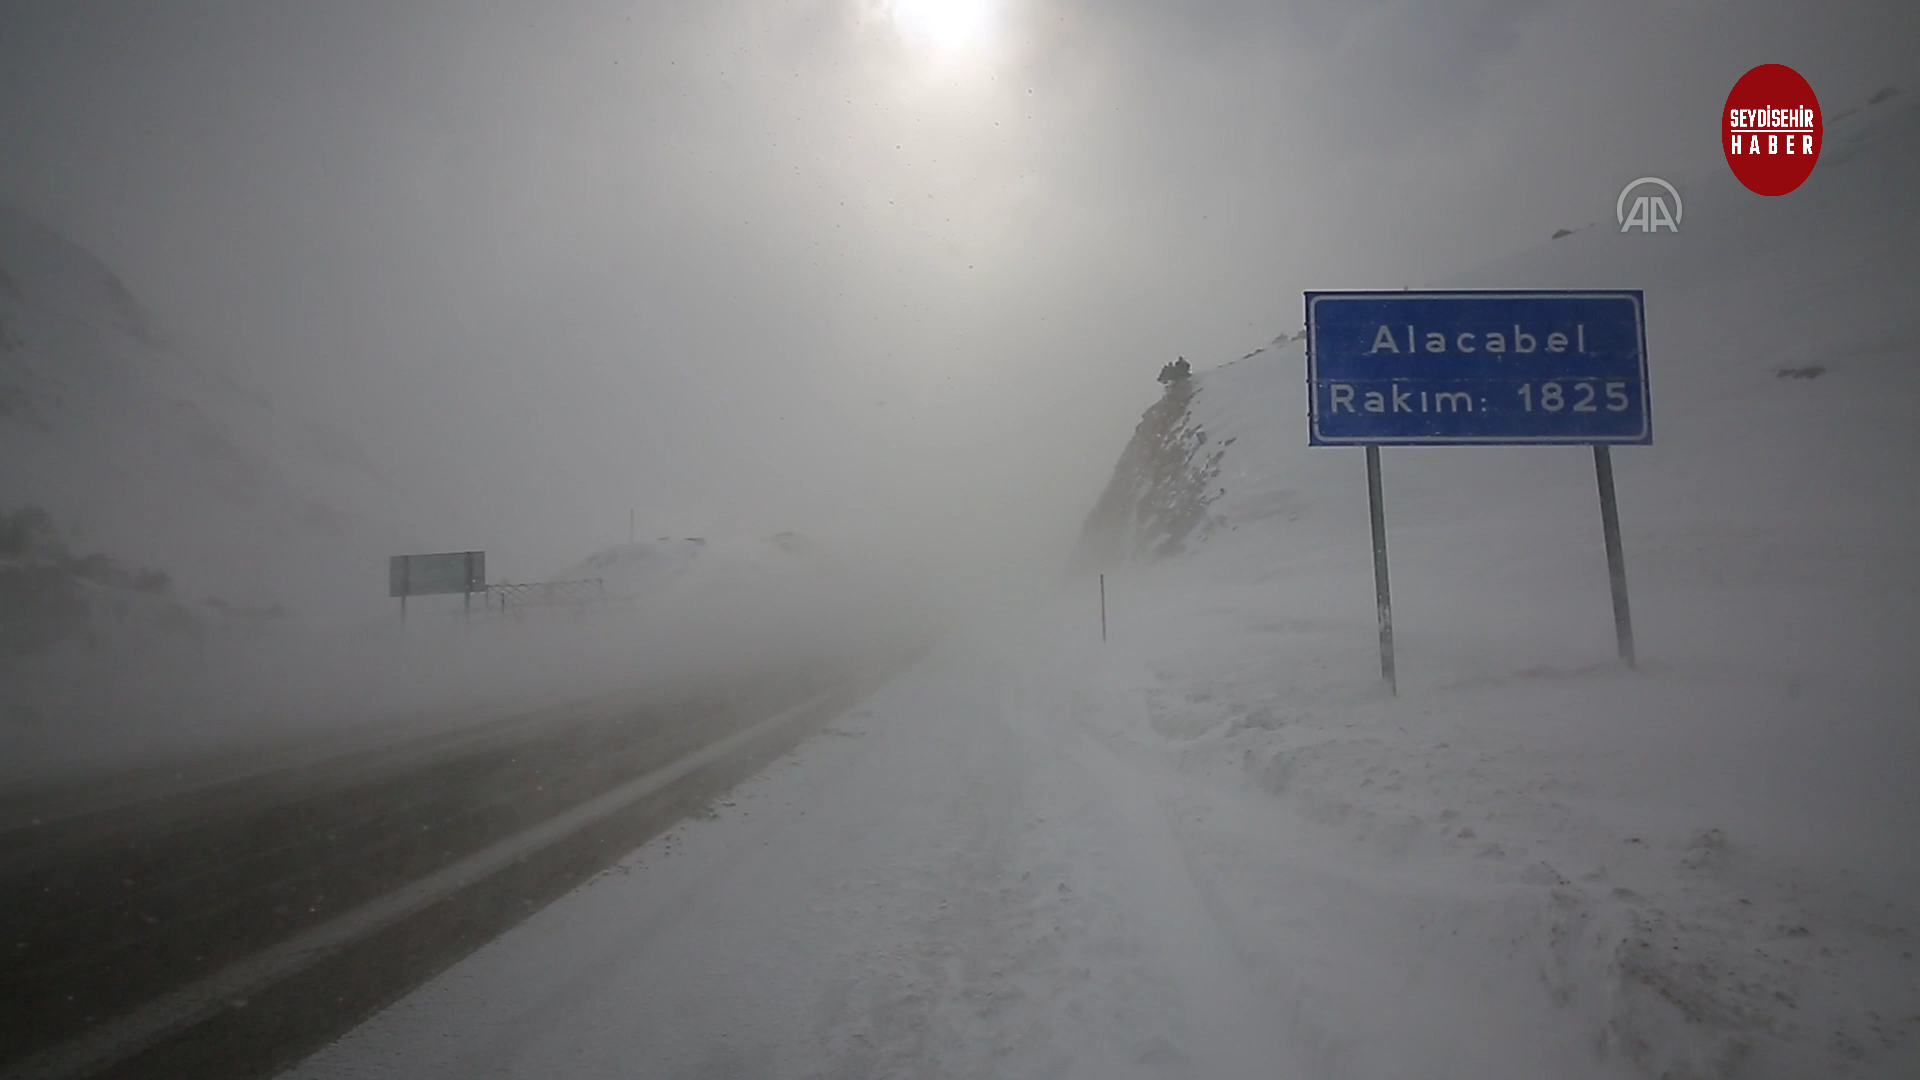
(1157, 500)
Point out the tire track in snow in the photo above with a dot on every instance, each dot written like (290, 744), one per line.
(1120, 821)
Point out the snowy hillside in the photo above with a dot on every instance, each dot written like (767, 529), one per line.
(139, 449)
(1702, 868)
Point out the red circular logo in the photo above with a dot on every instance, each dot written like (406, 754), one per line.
(1771, 129)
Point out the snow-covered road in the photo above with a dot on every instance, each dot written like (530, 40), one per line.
(927, 888)
(985, 872)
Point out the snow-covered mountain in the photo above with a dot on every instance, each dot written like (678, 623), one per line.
(1702, 868)
(138, 448)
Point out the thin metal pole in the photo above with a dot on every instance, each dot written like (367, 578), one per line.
(1103, 607)
(1383, 596)
(1616, 558)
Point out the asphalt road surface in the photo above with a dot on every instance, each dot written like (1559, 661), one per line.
(118, 894)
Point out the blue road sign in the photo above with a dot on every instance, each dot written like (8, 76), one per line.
(1465, 367)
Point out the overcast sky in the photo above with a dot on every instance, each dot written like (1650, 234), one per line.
(754, 265)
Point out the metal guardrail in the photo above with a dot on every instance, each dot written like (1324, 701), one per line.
(545, 593)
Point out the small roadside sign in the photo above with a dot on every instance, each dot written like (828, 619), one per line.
(438, 574)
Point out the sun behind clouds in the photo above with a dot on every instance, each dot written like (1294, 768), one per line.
(949, 25)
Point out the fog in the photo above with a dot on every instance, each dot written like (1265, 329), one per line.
(242, 698)
(792, 365)
(759, 266)
(568, 270)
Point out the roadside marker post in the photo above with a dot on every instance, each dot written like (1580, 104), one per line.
(1477, 367)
